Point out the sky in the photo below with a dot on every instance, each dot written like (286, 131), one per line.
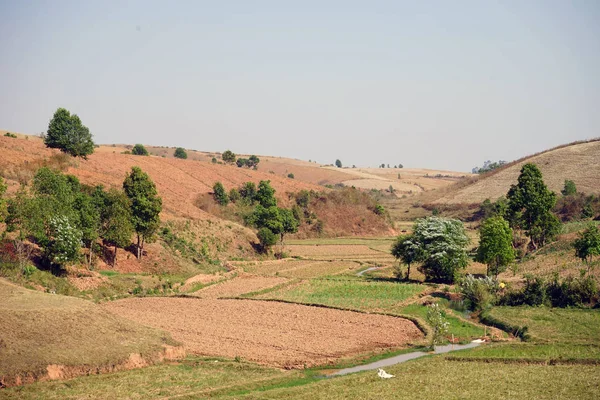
(428, 84)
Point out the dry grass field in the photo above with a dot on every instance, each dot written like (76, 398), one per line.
(271, 333)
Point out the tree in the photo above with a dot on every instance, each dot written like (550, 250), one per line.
(88, 221)
(407, 250)
(266, 194)
(180, 153)
(253, 162)
(290, 175)
(289, 223)
(569, 188)
(234, 195)
(248, 192)
(228, 157)
(146, 206)
(338, 163)
(65, 242)
(495, 245)
(442, 243)
(116, 227)
(267, 238)
(241, 162)
(529, 204)
(3, 204)
(587, 244)
(219, 194)
(139, 150)
(67, 133)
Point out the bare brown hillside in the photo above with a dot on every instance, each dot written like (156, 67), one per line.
(579, 162)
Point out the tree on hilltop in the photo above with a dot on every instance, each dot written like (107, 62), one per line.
(338, 163)
(69, 135)
(139, 150)
(180, 153)
(228, 157)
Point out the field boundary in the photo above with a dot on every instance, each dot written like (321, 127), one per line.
(539, 361)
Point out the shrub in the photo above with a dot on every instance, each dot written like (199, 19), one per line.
(180, 153)
(139, 150)
(228, 157)
(290, 175)
(10, 135)
(439, 325)
(338, 163)
(234, 195)
(478, 293)
(569, 188)
(219, 194)
(65, 242)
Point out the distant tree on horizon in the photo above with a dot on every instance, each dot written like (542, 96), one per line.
(228, 157)
(180, 153)
(338, 163)
(139, 150)
(69, 135)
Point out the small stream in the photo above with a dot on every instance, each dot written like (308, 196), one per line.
(403, 358)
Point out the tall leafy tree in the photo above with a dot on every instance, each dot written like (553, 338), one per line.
(88, 221)
(338, 163)
(407, 250)
(146, 206)
(3, 204)
(530, 203)
(116, 226)
(495, 245)
(67, 133)
(266, 194)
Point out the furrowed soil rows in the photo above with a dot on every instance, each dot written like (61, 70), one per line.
(239, 285)
(271, 333)
(302, 268)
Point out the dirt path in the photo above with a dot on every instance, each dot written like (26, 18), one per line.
(277, 334)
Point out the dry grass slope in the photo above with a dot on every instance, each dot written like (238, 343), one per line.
(44, 335)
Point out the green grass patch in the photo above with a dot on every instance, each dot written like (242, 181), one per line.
(349, 293)
(544, 324)
(530, 352)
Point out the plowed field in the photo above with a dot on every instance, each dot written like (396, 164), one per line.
(271, 333)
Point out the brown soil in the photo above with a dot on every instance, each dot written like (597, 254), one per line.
(271, 333)
(244, 283)
(204, 279)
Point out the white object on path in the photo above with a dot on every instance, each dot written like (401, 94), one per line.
(384, 375)
(478, 341)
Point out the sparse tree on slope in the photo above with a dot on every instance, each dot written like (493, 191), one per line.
(116, 220)
(219, 194)
(530, 204)
(146, 206)
(587, 244)
(180, 153)
(67, 133)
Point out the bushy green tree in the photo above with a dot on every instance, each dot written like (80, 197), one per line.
(587, 244)
(290, 175)
(248, 192)
(443, 245)
(569, 188)
(495, 245)
(407, 250)
(67, 133)
(139, 150)
(267, 239)
(266, 194)
(228, 157)
(219, 194)
(180, 153)
(338, 163)
(116, 226)
(65, 242)
(241, 162)
(146, 206)
(530, 203)
(234, 195)
(87, 221)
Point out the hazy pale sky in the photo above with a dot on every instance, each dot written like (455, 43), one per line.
(436, 84)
